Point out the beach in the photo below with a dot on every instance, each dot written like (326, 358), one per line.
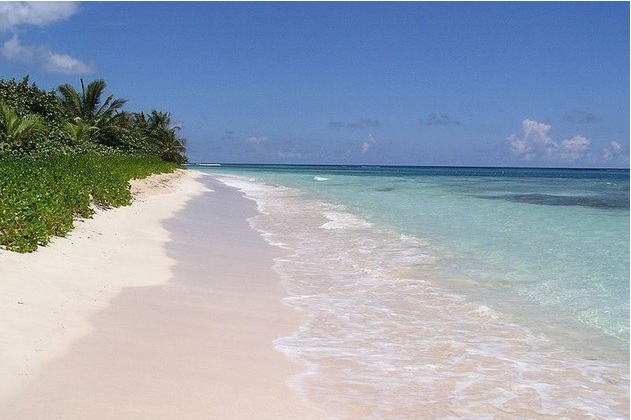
(283, 293)
(309, 210)
(164, 309)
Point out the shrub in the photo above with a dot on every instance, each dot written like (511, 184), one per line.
(41, 196)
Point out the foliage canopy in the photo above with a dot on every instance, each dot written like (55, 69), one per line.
(69, 120)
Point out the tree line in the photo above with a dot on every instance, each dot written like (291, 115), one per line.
(66, 120)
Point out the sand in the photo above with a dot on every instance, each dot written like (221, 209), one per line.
(165, 309)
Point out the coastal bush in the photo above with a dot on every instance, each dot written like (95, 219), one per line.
(29, 99)
(41, 196)
(26, 99)
(65, 151)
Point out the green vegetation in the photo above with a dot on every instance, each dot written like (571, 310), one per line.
(63, 152)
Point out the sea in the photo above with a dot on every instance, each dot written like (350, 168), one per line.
(450, 292)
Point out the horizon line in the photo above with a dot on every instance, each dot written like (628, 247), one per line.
(406, 166)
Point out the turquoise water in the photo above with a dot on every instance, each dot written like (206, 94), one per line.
(447, 279)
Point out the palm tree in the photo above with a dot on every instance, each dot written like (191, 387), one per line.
(159, 120)
(169, 146)
(139, 120)
(87, 107)
(80, 132)
(16, 131)
(163, 138)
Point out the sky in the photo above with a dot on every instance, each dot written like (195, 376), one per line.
(391, 83)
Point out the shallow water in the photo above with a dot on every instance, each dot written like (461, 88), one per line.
(452, 295)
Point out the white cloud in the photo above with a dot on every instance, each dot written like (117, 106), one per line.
(617, 147)
(573, 149)
(614, 152)
(257, 145)
(63, 63)
(14, 50)
(15, 13)
(367, 145)
(536, 142)
(18, 13)
(256, 140)
(535, 139)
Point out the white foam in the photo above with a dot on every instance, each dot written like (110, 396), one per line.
(345, 220)
(483, 311)
(413, 240)
(321, 178)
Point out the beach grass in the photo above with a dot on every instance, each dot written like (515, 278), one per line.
(40, 197)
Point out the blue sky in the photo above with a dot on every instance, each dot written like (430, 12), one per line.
(410, 83)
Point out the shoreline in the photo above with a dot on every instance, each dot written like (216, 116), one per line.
(171, 323)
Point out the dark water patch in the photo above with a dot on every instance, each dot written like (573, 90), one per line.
(600, 202)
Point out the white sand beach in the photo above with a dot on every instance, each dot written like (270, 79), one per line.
(165, 309)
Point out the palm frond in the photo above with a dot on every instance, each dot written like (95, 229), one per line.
(92, 96)
(70, 100)
(15, 128)
(110, 106)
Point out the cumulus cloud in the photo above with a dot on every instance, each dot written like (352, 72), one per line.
(580, 117)
(442, 119)
(368, 144)
(536, 142)
(16, 13)
(573, 149)
(14, 50)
